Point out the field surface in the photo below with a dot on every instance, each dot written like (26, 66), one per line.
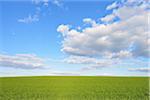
(74, 88)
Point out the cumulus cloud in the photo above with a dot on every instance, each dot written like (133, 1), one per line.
(124, 38)
(24, 61)
(130, 34)
(140, 69)
(108, 18)
(121, 54)
(89, 21)
(112, 6)
(63, 29)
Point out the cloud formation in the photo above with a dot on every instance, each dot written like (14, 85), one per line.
(140, 69)
(43, 2)
(129, 34)
(46, 2)
(29, 19)
(39, 9)
(108, 18)
(65, 74)
(112, 6)
(24, 61)
(89, 21)
(57, 3)
(127, 37)
(91, 62)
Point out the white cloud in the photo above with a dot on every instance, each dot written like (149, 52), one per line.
(122, 54)
(89, 21)
(140, 69)
(24, 61)
(80, 60)
(108, 18)
(36, 1)
(63, 29)
(127, 34)
(57, 3)
(43, 2)
(127, 12)
(105, 74)
(103, 44)
(100, 63)
(65, 73)
(34, 17)
(29, 19)
(46, 2)
(40, 4)
(92, 62)
(135, 2)
(112, 6)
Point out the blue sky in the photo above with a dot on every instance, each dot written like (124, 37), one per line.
(54, 37)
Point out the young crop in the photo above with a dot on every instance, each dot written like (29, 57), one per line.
(74, 88)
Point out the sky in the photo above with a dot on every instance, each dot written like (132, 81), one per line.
(74, 37)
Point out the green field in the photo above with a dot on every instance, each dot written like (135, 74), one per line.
(74, 88)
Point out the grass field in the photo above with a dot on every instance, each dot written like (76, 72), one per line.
(74, 88)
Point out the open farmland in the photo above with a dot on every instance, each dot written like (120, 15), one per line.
(74, 88)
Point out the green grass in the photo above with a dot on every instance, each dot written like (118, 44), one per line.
(74, 88)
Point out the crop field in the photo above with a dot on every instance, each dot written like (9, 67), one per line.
(74, 88)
